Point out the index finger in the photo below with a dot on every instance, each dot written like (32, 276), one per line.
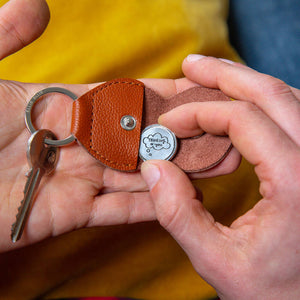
(252, 133)
(278, 100)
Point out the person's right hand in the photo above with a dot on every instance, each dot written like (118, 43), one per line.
(258, 256)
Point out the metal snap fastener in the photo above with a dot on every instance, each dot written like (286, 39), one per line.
(157, 142)
(128, 122)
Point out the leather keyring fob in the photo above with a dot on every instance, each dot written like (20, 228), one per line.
(96, 124)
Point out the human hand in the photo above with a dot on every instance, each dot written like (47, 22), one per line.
(81, 192)
(258, 256)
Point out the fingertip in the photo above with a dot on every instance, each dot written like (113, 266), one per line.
(167, 120)
(21, 22)
(151, 173)
(44, 12)
(182, 120)
(165, 179)
(191, 58)
(38, 15)
(190, 61)
(195, 58)
(161, 119)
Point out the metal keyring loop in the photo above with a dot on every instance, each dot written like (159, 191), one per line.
(70, 139)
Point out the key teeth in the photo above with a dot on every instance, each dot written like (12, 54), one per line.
(13, 233)
(14, 237)
(13, 227)
(20, 208)
(14, 224)
(16, 232)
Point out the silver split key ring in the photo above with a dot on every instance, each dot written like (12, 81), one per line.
(70, 139)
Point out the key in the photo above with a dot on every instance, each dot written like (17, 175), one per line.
(42, 159)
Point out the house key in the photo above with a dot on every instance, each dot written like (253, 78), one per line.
(42, 159)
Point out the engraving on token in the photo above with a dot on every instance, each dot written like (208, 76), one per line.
(157, 142)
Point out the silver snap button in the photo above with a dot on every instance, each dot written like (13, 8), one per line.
(128, 122)
(157, 142)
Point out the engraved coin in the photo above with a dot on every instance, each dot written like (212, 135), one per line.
(157, 142)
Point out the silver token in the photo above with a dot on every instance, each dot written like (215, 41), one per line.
(157, 142)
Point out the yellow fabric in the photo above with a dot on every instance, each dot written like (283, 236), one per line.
(96, 40)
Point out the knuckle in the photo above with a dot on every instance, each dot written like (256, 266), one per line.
(245, 108)
(292, 180)
(8, 28)
(249, 107)
(131, 212)
(271, 86)
(242, 112)
(170, 217)
(278, 184)
(12, 89)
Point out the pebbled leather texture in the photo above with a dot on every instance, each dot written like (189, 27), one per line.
(96, 120)
(96, 125)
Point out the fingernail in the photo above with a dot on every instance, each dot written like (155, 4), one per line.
(194, 57)
(160, 118)
(227, 61)
(150, 173)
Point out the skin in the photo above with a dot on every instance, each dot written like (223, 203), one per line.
(258, 256)
(81, 192)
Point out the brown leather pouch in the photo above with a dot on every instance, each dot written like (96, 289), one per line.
(96, 124)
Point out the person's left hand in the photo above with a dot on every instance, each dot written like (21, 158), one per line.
(81, 192)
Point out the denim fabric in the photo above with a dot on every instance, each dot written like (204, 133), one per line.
(266, 33)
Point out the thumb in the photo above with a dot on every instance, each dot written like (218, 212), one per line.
(182, 214)
(21, 22)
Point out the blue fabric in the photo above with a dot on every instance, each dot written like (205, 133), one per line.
(266, 33)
